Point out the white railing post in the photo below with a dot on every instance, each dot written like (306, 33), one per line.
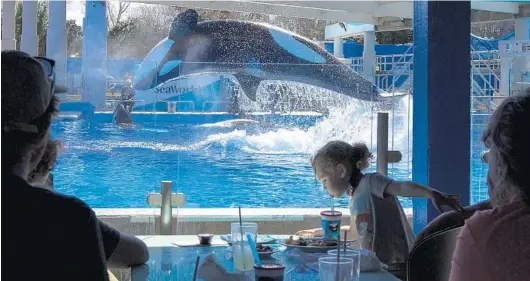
(165, 210)
(382, 143)
(166, 200)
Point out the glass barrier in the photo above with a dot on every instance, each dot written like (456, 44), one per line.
(230, 135)
(226, 135)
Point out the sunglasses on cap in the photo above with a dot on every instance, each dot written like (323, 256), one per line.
(484, 156)
(48, 65)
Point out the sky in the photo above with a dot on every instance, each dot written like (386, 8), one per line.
(75, 10)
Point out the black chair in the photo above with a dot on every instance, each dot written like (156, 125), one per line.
(431, 259)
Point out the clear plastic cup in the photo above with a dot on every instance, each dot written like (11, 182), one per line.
(353, 254)
(335, 269)
(243, 257)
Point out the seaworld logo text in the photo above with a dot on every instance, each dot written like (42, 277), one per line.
(175, 90)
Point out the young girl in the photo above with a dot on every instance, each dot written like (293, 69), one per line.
(377, 218)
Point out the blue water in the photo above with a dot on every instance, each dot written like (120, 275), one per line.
(214, 166)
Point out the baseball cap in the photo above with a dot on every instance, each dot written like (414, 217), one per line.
(28, 88)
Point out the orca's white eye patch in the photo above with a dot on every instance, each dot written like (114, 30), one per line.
(295, 47)
(153, 59)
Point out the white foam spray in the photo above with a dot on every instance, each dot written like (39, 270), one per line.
(354, 121)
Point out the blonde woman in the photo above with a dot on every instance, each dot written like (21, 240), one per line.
(495, 244)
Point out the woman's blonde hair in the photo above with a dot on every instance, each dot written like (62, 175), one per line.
(509, 132)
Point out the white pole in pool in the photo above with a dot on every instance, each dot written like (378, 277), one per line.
(382, 143)
(165, 209)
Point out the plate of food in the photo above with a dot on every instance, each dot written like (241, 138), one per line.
(265, 252)
(310, 245)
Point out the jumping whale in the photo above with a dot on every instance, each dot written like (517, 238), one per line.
(251, 52)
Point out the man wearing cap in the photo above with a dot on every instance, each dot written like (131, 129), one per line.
(46, 236)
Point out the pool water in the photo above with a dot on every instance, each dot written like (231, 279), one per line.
(214, 165)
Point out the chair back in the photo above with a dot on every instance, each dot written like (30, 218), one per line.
(431, 259)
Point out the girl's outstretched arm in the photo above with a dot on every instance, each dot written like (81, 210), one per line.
(412, 189)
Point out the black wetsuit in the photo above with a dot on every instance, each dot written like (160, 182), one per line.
(127, 97)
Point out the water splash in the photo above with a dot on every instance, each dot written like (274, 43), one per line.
(353, 121)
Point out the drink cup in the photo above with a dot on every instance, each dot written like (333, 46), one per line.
(243, 257)
(352, 254)
(335, 269)
(205, 239)
(330, 221)
(269, 272)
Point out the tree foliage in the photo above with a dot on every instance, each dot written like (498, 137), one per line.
(74, 38)
(142, 28)
(42, 25)
(115, 12)
(394, 37)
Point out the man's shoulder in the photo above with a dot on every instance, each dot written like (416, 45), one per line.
(47, 201)
(67, 201)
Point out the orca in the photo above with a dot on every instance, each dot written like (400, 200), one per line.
(122, 115)
(249, 51)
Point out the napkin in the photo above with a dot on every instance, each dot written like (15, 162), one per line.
(370, 261)
(210, 270)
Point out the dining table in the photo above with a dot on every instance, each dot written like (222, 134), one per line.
(173, 257)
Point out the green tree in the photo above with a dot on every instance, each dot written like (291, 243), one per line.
(42, 24)
(74, 39)
(18, 23)
(119, 37)
(394, 37)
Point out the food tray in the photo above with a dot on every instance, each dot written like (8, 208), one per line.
(312, 249)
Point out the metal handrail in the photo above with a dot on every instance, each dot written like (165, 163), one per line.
(166, 199)
(114, 102)
(212, 103)
(181, 102)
